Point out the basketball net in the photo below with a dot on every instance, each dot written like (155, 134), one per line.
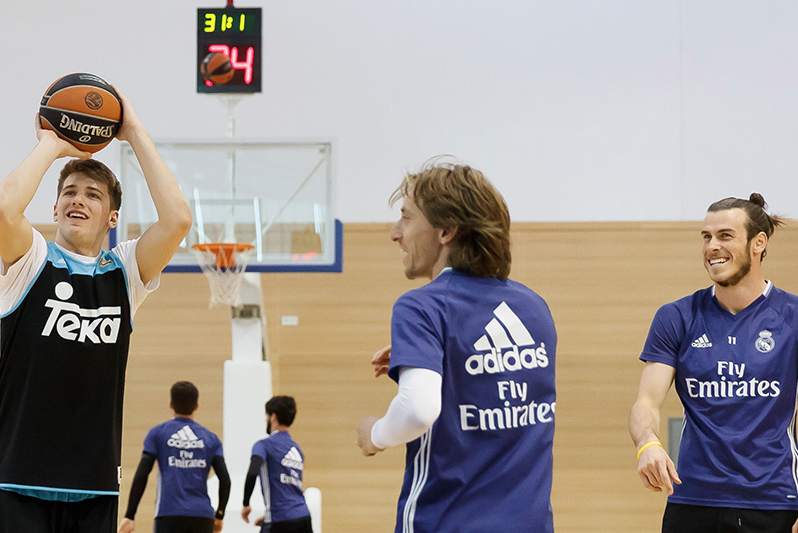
(224, 264)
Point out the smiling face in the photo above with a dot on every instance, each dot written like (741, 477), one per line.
(425, 247)
(728, 254)
(83, 214)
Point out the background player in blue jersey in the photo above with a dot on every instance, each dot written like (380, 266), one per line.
(279, 463)
(732, 352)
(185, 452)
(473, 353)
(67, 309)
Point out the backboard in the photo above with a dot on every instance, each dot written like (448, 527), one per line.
(275, 195)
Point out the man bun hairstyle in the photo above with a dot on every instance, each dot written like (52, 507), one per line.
(284, 407)
(759, 221)
(185, 397)
(96, 171)
(459, 197)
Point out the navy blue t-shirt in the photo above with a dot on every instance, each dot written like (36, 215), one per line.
(736, 376)
(486, 462)
(281, 477)
(184, 451)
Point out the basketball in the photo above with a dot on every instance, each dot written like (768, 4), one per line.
(82, 109)
(217, 69)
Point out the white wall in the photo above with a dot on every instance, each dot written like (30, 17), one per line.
(577, 110)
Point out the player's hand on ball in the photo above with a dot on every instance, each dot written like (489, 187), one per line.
(130, 120)
(65, 149)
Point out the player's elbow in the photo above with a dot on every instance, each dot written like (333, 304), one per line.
(424, 414)
(183, 220)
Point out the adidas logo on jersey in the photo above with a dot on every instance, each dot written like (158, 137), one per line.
(506, 332)
(293, 459)
(702, 342)
(185, 439)
(74, 323)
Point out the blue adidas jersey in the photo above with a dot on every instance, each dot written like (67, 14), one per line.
(281, 477)
(486, 462)
(184, 451)
(736, 377)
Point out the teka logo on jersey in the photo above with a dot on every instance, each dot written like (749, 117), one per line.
(74, 323)
(510, 345)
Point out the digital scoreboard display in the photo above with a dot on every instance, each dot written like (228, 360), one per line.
(236, 33)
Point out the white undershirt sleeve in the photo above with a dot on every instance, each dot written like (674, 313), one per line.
(413, 410)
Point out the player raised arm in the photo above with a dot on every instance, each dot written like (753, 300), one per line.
(654, 466)
(19, 187)
(159, 242)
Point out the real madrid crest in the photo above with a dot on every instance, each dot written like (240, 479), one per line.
(765, 342)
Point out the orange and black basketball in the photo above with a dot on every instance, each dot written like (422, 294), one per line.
(82, 109)
(217, 69)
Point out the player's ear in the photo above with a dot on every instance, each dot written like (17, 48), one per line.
(447, 235)
(759, 244)
(113, 220)
(55, 212)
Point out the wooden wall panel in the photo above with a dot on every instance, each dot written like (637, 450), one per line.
(603, 282)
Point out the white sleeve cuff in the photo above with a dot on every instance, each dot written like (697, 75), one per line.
(413, 410)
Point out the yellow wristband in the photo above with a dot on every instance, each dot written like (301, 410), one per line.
(652, 443)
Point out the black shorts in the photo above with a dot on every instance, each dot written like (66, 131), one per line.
(681, 518)
(183, 524)
(298, 525)
(32, 515)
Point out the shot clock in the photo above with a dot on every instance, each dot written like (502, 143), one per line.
(236, 33)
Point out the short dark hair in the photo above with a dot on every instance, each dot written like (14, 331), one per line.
(96, 171)
(185, 397)
(461, 197)
(284, 407)
(758, 219)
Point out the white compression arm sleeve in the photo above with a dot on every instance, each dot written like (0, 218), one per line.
(413, 410)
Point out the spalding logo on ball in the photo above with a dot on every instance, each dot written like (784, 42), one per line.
(82, 109)
(216, 69)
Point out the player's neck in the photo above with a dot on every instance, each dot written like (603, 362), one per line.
(737, 297)
(177, 415)
(279, 427)
(88, 249)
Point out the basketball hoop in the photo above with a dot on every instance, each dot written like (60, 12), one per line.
(223, 263)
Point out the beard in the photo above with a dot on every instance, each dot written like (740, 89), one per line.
(742, 271)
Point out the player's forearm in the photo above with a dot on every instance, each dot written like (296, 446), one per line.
(252, 476)
(171, 205)
(644, 423)
(413, 410)
(19, 187)
(220, 467)
(139, 484)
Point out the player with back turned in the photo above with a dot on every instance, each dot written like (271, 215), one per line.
(731, 350)
(185, 452)
(473, 354)
(67, 311)
(280, 463)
